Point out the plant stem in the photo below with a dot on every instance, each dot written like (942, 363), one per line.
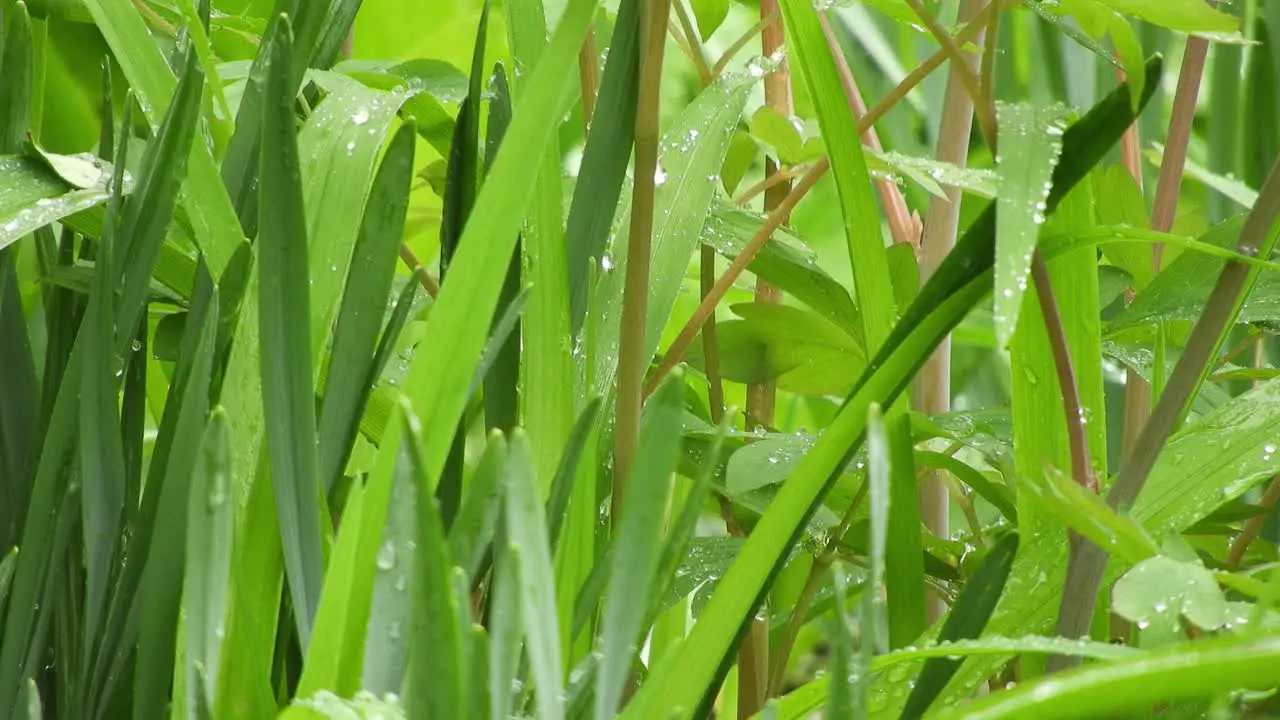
(904, 226)
(1174, 162)
(696, 51)
(743, 41)
(1137, 391)
(1087, 561)
(424, 278)
(1254, 525)
(964, 69)
(1077, 438)
(753, 657)
(710, 345)
(781, 176)
(631, 360)
(932, 387)
(588, 78)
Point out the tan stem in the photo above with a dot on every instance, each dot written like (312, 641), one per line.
(932, 388)
(589, 78)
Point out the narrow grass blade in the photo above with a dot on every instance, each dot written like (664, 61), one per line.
(18, 386)
(846, 698)
(904, 578)
(332, 661)
(212, 218)
(505, 627)
(462, 179)
(17, 63)
(879, 479)
(502, 378)
(368, 284)
(638, 545)
(7, 566)
(150, 566)
(473, 529)
(526, 529)
(1030, 144)
(1087, 513)
(874, 291)
(284, 322)
(386, 643)
(604, 159)
(546, 408)
(966, 621)
(438, 380)
(505, 331)
(562, 486)
(1184, 671)
(208, 565)
(999, 496)
(436, 672)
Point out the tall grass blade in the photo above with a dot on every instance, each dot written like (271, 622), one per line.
(208, 565)
(436, 672)
(604, 159)
(904, 579)
(846, 699)
(637, 549)
(1030, 144)
(967, 619)
(879, 477)
(368, 284)
(502, 379)
(526, 529)
(472, 532)
(18, 386)
(562, 485)
(438, 381)
(386, 647)
(284, 321)
(157, 553)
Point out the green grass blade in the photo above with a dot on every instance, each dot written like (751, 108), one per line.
(473, 529)
(526, 529)
(502, 379)
(874, 291)
(436, 672)
(904, 557)
(18, 386)
(1184, 671)
(368, 284)
(843, 701)
(208, 206)
(562, 486)
(332, 661)
(879, 479)
(638, 545)
(1030, 144)
(438, 380)
(505, 626)
(7, 566)
(283, 319)
(462, 178)
(604, 159)
(208, 566)
(547, 404)
(150, 208)
(500, 349)
(968, 616)
(151, 566)
(386, 648)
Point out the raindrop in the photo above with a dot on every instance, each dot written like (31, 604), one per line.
(387, 555)
(361, 116)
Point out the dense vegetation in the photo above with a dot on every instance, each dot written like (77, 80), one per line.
(648, 358)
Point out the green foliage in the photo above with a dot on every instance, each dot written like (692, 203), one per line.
(308, 342)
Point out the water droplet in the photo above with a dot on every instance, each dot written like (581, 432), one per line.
(361, 116)
(387, 555)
